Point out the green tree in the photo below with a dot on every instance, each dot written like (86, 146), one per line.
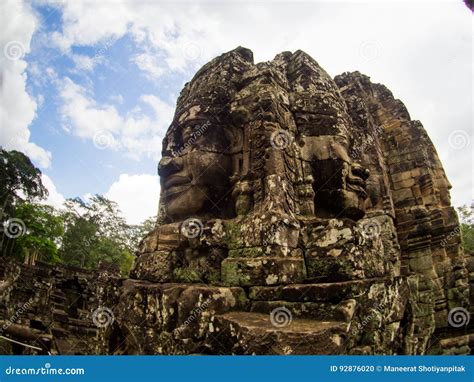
(43, 233)
(96, 232)
(137, 232)
(107, 250)
(466, 215)
(20, 181)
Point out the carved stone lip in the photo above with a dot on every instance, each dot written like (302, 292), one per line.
(175, 191)
(176, 180)
(357, 185)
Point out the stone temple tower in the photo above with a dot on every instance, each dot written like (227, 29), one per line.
(298, 214)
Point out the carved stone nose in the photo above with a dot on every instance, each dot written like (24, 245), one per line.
(169, 165)
(360, 171)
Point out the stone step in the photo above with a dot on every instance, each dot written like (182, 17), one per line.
(58, 296)
(330, 292)
(83, 314)
(59, 305)
(322, 311)
(64, 346)
(60, 315)
(335, 301)
(59, 332)
(77, 322)
(257, 333)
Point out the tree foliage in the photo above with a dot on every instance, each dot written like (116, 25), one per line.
(466, 215)
(96, 232)
(43, 233)
(19, 180)
(82, 233)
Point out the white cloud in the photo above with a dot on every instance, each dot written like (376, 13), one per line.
(87, 23)
(85, 63)
(55, 198)
(17, 106)
(118, 99)
(136, 133)
(136, 195)
(149, 64)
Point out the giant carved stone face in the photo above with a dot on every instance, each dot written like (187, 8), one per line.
(194, 168)
(339, 182)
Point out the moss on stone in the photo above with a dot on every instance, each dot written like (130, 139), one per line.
(186, 275)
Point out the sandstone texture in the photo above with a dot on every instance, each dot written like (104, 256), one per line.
(299, 214)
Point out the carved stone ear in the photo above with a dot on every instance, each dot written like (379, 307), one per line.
(235, 138)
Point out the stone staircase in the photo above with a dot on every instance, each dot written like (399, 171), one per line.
(292, 319)
(254, 333)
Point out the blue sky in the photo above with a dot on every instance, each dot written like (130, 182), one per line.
(89, 87)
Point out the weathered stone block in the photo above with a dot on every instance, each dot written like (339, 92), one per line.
(263, 271)
(155, 266)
